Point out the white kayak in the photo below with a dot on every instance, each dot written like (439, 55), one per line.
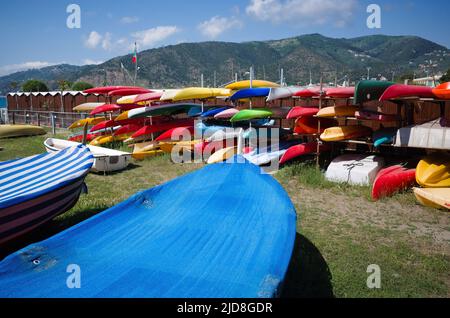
(354, 169)
(105, 160)
(282, 92)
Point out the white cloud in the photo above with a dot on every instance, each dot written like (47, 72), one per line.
(13, 68)
(93, 40)
(106, 43)
(129, 20)
(151, 37)
(303, 12)
(91, 62)
(217, 25)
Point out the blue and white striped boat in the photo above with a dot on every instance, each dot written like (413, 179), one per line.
(34, 190)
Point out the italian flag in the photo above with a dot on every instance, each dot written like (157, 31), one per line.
(134, 58)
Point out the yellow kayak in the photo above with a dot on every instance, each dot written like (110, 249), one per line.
(122, 116)
(438, 198)
(246, 84)
(222, 155)
(141, 155)
(145, 146)
(89, 121)
(125, 100)
(87, 107)
(167, 147)
(201, 93)
(434, 172)
(106, 139)
(345, 133)
(340, 111)
(8, 131)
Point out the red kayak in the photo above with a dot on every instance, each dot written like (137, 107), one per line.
(156, 128)
(392, 180)
(79, 138)
(148, 97)
(297, 112)
(129, 91)
(127, 129)
(341, 92)
(125, 107)
(375, 116)
(402, 91)
(105, 109)
(210, 147)
(301, 150)
(178, 131)
(308, 92)
(106, 89)
(309, 125)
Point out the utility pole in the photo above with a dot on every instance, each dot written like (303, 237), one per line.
(215, 79)
(368, 73)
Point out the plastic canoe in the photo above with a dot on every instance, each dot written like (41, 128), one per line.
(126, 100)
(226, 114)
(337, 111)
(107, 89)
(89, 121)
(309, 125)
(127, 129)
(141, 155)
(214, 112)
(9, 131)
(108, 108)
(171, 247)
(176, 133)
(250, 93)
(375, 116)
(148, 97)
(392, 180)
(129, 91)
(249, 114)
(87, 107)
(340, 92)
(438, 198)
(200, 93)
(345, 133)
(246, 84)
(370, 90)
(434, 172)
(156, 128)
(222, 155)
(170, 109)
(302, 111)
(302, 150)
(354, 169)
(168, 94)
(282, 92)
(442, 91)
(404, 91)
(309, 92)
(384, 136)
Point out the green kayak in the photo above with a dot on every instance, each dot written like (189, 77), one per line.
(249, 114)
(370, 90)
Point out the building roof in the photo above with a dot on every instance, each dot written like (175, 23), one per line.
(52, 93)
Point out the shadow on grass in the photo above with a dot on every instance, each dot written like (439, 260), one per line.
(46, 231)
(308, 275)
(130, 167)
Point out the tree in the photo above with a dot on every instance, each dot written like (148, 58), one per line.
(81, 86)
(446, 77)
(34, 86)
(64, 85)
(14, 86)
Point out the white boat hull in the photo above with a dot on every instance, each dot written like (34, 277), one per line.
(105, 160)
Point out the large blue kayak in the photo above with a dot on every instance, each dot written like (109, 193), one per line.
(223, 231)
(250, 93)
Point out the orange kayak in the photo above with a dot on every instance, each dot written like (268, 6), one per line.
(442, 91)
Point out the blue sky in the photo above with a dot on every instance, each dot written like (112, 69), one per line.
(37, 34)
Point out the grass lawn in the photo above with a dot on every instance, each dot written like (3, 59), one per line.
(340, 232)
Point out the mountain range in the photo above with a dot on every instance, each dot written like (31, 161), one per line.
(182, 64)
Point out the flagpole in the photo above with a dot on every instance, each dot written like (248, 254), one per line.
(135, 64)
